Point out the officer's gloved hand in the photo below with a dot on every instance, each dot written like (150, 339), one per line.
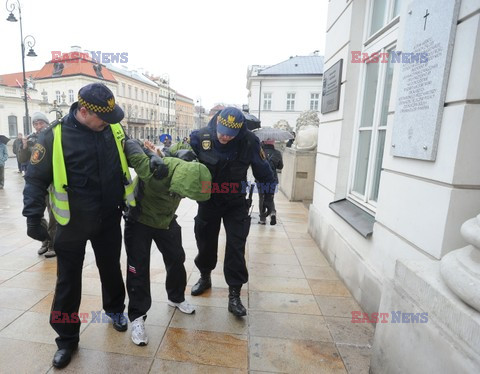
(37, 229)
(158, 167)
(133, 146)
(268, 204)
(186, 155)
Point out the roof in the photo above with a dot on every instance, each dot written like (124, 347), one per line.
(298, 65)
(75, 67)
(132, 74)
(16, 79)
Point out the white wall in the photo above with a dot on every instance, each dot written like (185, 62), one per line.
(421, 204)
(279, 87)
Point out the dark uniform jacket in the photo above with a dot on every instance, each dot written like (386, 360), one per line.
(94, 174)
(228, 163)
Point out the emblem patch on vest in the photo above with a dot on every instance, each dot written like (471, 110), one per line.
(38, 153)
(206, 145)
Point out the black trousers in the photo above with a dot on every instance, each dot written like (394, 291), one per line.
(138, 241)
(261, 199)
(70, 241)
(237, 225)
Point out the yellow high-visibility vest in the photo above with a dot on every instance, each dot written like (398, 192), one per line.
(58, 194)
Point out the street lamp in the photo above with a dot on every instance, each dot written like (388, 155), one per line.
(166, 80)
(30, 41)
(199, 105)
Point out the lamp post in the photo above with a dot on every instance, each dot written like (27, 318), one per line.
(200, 110)
(30, 41)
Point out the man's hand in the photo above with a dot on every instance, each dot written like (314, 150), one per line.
(186, 155)
(158, 167)
(268, 204)
(37, 229)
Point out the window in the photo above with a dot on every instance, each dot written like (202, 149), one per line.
(27, 125)
(141, 94)
(290, 101)
(267, 101)
(12, 126)
(136, 93)
(314, 98)
(71, 96)
(371, 131)
(141, 112)
(130, 91)
(57, 69)
(382, 12)
(123, 89)
(58, 97)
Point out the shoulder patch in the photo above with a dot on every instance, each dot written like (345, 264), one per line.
(206, 145)
(38, 153)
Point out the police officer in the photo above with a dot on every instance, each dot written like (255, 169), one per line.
(227, 148)
(82, 157)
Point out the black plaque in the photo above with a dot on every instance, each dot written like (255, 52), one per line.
(332, 79)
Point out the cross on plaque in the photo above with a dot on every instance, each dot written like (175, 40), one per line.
(425, 16)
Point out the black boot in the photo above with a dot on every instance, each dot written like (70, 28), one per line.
(235, 305)
(203, 284)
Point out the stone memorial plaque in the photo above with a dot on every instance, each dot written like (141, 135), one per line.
(332, 79)
(428, 32)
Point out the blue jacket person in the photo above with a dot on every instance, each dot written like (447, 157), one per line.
(81, 158)
(228, 149)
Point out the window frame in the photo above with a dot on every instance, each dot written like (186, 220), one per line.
(290, 107)
(387, 42)
(315, 100)
(11, 123)
(389, 19)
(267, 101)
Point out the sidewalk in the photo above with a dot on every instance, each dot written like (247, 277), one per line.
(298, 319)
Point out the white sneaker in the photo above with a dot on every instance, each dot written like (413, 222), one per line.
(139, 336)
(184, 306)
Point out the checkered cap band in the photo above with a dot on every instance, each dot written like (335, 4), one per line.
(97, 108)
(229, 122)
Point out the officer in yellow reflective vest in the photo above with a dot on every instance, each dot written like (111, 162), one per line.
(81, 162)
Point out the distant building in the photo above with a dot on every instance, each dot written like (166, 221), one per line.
(184, 110)
(139, 98)
(285, 90)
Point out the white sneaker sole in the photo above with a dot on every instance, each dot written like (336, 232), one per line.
(172, 304)
(139, 342)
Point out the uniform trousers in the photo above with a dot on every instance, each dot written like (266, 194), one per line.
(138, 241)
(106, 238)
(236, 221)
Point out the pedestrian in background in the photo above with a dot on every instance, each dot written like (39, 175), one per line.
(228, 149)
(17, 145)
(275, 160)
(3, 160)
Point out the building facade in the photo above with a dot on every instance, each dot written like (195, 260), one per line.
(184, 110)
(138, 96)
(51, 90)
(394, 176)
(285, 90)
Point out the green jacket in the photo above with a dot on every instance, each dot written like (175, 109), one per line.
(158, 199)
